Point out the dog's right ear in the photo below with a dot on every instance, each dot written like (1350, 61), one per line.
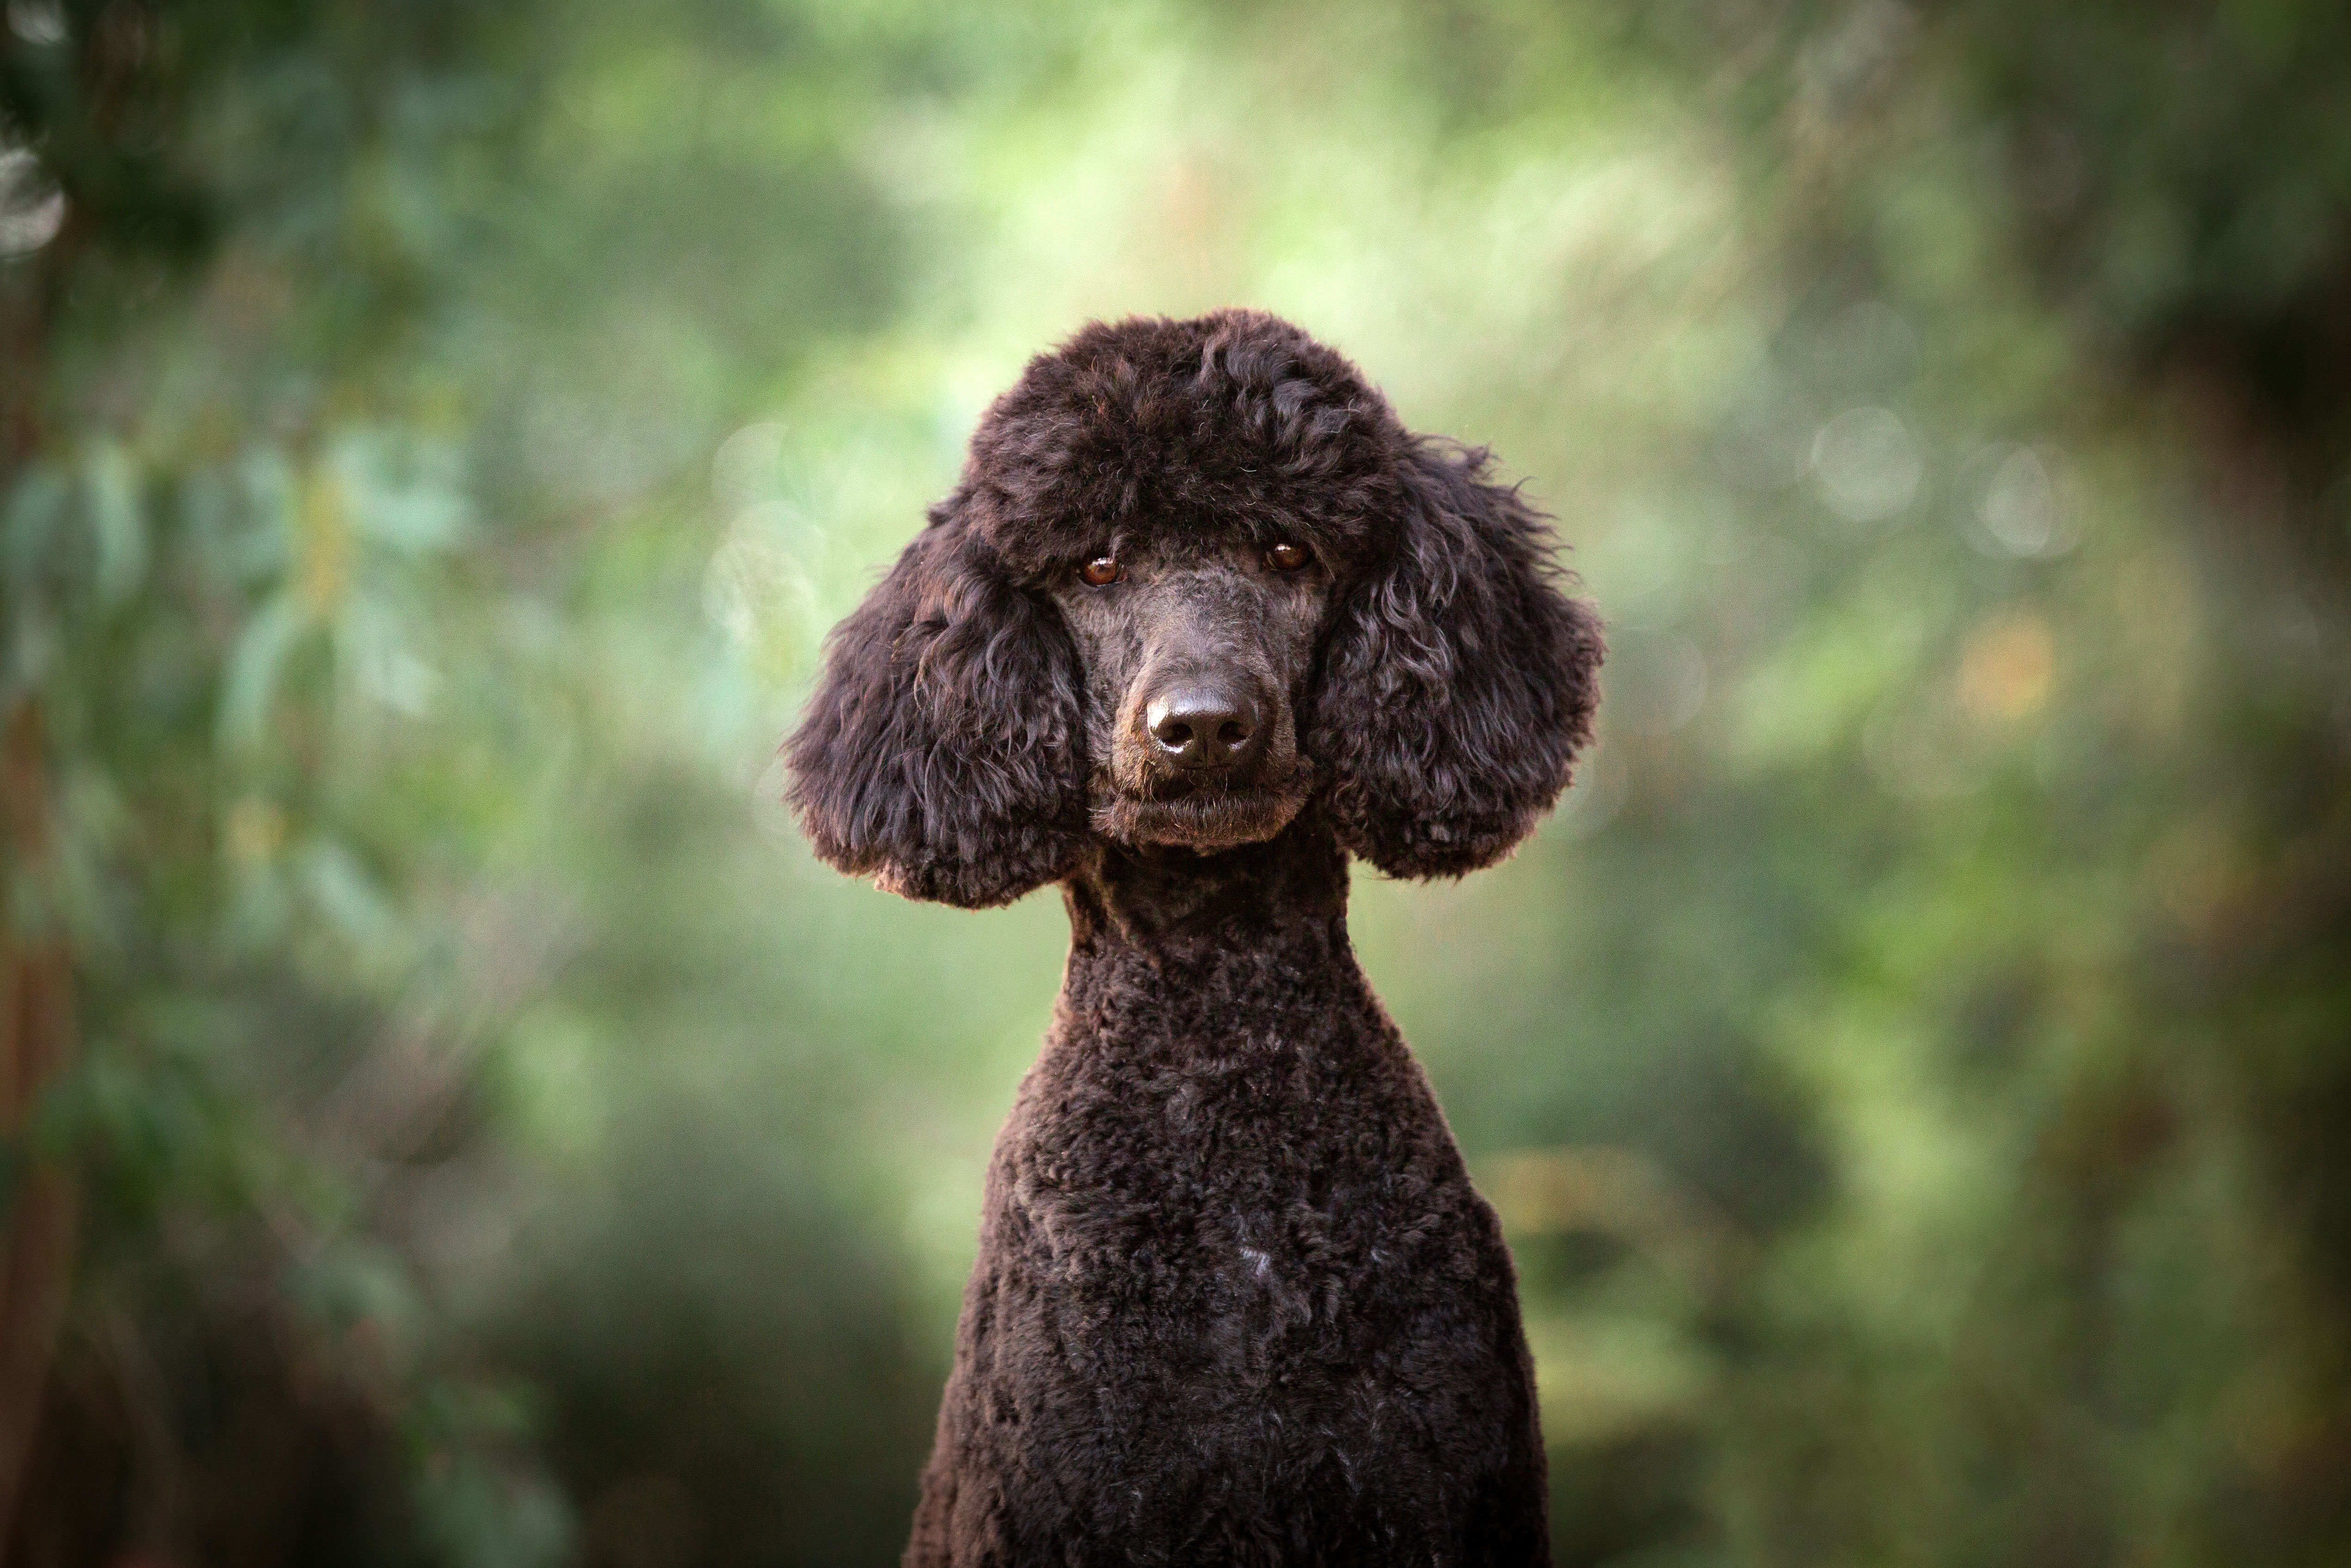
(941, 753)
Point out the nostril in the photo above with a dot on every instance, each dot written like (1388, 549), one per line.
(1232, 731)
(1175, 734)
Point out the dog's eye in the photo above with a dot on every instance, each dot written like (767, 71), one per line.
(1287, 557)
(1102, 571)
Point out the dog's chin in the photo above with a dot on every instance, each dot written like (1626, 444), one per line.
(1205, 821)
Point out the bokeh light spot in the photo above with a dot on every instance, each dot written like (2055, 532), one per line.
(32, 210)
(1867, 463)
(2007, 668)
(38, 22)
(2023, 502)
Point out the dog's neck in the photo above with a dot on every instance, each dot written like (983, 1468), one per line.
(1177, 903)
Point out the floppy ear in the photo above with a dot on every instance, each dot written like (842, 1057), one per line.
(941, 752)
(1458, 682)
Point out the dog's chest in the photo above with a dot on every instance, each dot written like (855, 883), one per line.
(1263, 1262)
(1234, 1281)
(1258, 1183)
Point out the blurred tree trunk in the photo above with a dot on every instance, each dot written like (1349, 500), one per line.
(36, 1033)
(35, 971)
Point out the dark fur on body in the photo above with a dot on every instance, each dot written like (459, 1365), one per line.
(1236, 1300)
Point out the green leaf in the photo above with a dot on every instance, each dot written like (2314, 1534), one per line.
(116, 521)
(253, 669)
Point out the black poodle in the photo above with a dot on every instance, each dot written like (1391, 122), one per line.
(1201, 620)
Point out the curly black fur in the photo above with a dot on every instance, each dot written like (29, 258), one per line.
(1236, 1302)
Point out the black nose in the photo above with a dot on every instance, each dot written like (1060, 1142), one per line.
(1203, 726)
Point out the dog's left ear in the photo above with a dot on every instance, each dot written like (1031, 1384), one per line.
(1458, 682)
(940, 753)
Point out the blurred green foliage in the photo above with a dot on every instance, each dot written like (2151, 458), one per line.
(435, 438)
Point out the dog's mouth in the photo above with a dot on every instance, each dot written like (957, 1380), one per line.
(1206, 815)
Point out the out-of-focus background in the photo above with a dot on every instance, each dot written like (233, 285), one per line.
(450, 1119)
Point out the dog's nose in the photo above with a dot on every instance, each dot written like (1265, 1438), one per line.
(1203, 726)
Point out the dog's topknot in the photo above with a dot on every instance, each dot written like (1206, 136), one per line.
(1235, 421)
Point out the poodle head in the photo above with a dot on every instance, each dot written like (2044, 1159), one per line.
(1196, 575)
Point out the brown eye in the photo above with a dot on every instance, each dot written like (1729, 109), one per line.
(1287, 557)
(1103, 571)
